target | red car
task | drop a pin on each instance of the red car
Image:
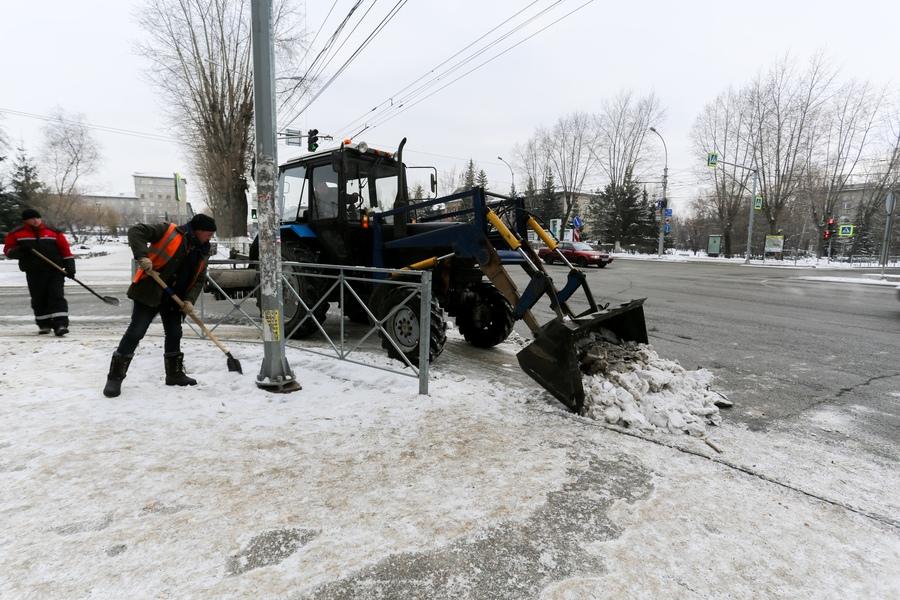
(577, 253)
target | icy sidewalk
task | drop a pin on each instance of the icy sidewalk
(358, 487)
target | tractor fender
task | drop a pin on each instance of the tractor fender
(301, 230)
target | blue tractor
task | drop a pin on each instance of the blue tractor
(351, 206)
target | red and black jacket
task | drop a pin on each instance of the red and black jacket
(49, 242)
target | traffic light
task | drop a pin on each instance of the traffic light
(830, 227)
(312, 142)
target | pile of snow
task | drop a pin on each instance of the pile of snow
(628, 384)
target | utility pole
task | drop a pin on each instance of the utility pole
(665, 201)
(889, 202)
(751, 215)
(275, 374)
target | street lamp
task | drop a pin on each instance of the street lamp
(662, 210)
(512, 189)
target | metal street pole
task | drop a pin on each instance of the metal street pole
(511, 174)
(665, 202)
(750, 217)
(274, 374)
(889, 203)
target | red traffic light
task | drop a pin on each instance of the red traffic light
(827, 234)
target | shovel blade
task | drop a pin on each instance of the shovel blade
(234, 365)
(553, 361)
(111, 301)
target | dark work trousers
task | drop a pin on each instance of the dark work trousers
(47, 300)
(141, 317)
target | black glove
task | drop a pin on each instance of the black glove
(70, 268)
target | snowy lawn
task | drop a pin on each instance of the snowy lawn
(358, 483)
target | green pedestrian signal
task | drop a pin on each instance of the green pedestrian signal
(712, 159)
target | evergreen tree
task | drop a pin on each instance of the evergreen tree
(24, 191)
(481, 180)
(549, 206)
(26, 183)
(531, 194)
(418, 192)
(627, 215)
(469, 175)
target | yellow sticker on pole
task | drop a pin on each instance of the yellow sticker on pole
(272, 331)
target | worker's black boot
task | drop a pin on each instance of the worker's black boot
(175, 374)
(118, 367)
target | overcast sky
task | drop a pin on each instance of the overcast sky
(81, 56)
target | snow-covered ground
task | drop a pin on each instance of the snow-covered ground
(110, 269)
(806, 262)
(356, 486)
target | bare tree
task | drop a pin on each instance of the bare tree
(70, 153)
(723, 127)
(532, 160)
(568, 145)
(784, 107)
(201, 61)
(843, 130)
(620, 129)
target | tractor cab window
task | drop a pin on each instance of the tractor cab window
(370, 183)
(292, 189)
(325, 192)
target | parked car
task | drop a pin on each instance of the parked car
(577, 253)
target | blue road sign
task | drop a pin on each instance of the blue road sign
(668, 212)
(576, 222)
(667, 228)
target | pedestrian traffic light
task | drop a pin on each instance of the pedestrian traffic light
(827, 234)
(312, 141)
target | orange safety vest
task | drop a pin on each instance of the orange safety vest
(162, 251)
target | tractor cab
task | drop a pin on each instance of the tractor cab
(332, 195)
(341, 185)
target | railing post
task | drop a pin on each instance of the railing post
(341, 300)
(424, 330)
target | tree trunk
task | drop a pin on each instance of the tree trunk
(726, 237)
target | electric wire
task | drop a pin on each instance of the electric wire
(384, 116)
(390, 98)
(378, 28)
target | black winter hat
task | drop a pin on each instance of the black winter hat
(30, 213)
(202, 222)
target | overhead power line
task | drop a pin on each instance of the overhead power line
(390, 99)
(398, 103)
(359, 49)
(470, 71)
(88, 125)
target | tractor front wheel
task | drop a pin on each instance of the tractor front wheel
(399, 308)
(487, 319)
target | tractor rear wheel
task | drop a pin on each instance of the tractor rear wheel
(487, 319)
(310, 289)
(403, 326)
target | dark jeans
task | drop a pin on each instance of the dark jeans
(141, 317)
(47, 299)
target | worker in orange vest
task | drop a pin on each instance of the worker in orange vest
(179, 254)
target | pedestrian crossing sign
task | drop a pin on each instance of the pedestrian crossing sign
(712, 159)
(846, 230)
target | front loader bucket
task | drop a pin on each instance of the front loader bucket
(552, 359)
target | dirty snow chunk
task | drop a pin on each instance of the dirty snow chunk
(630, 385)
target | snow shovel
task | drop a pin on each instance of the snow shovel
(234, 365)
(108, 299)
